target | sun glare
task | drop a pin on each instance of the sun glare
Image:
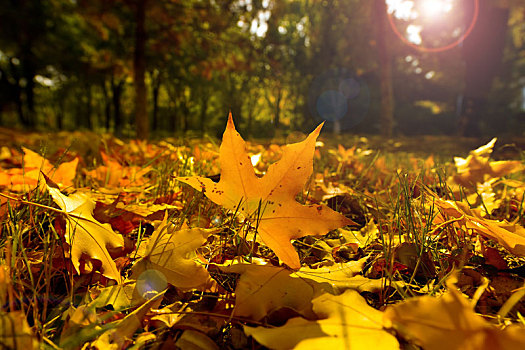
(431, 25)
(433, 8)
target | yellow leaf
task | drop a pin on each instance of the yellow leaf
(449, 322)
(477, 168)
(193, 340)
(345, 321)
(112, 174)
(119, 336)
(15, 332)
(345, 276)
(270, 200)
(122, 296)
(172, 253)
(26, 178)
(263, 289)
(63, 175)
(85, 235)
(509, 235)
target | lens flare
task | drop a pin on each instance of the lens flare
(435, 8)
(432, 14)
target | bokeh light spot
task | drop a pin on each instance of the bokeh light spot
(151, 283)
(349, 88)
(340, 96)
(332, 105)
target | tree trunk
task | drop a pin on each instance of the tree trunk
(139, 67)
(203, 112)
(60, 112)
(277, 115)
(14, 91)
(89, 107)
(156, 88)
(29, 75)
(482, 53)
(386, 118)
(184, 117)
(116, 93)
(107, 106)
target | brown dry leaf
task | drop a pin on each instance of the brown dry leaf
(334, 273)
(85, 235)
(449, 322)
(341, 277)
(122, 296)
(15, 333)
(172, 253)
(5, 284)
(509, 235)
(477, 168)
(361, 237)
(26, 178)
(112, 174)
(120, 336)
(263, 289)
(62, 175)
(81, 323)
(168, 316)
(193, 340)
(270, 200)
(3, 207)
(345, 321)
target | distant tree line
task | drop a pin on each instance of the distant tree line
(137, 67)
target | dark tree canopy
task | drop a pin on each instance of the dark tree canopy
(157, 67)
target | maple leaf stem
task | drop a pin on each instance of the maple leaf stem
(43, 206)
(443, 224)
(32, 203)
(227, 317)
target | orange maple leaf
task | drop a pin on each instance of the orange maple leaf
(113, 174)
(26, 178)
(477, 167)
(270, 200)
(510, 235)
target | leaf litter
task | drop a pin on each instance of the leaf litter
(307, 245)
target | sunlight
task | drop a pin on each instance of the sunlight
(430, 25)
(401, 9)
(436, 8)
(414, 33)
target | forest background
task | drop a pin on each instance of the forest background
(141, 68)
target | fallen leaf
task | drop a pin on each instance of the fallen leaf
(62, 175)
(172, 253)
(476, 168)
(336, 276)
(344, 277)
(15, 333)
(194, 340)
(415, 258)
(362, 237)
(168, 316)
(345, 321)
(120, 333)
(121, 296)
(509, 235)
(263, 289)
(5, 284)
(270, 201)
(449, 322)
(82, 324)
(113, 174)
(85, 235)
(27, 177)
